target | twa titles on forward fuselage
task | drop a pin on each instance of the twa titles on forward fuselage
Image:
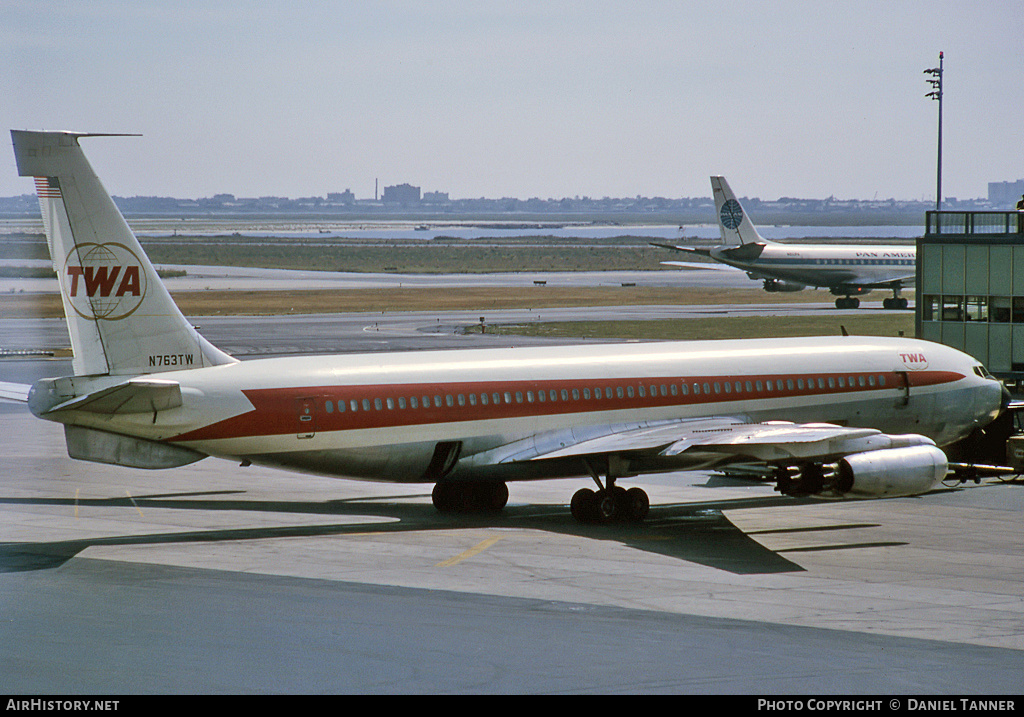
(831, 417)
(847, 270)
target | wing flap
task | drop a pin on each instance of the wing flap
(648, 437)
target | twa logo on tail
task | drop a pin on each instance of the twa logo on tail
(104, 281)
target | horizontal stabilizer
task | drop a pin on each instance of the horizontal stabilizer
(139, 395)
(702, 250)
(14, 391)
(701, 265)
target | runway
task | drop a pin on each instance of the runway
(244, 336)
(237, 278)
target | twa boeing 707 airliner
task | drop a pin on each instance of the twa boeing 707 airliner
(832, 417)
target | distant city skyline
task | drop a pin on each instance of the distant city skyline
(682, 209)
(535, 99)
(998, 194)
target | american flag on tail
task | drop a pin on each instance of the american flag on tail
(48, 187)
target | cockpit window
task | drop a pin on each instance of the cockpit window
(982, 371)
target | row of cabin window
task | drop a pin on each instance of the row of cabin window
(554, 395)
(872, 262)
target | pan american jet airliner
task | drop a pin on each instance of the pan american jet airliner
(847, 270)
(839, 417)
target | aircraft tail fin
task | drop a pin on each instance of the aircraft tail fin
(733, 222)
(121, 319)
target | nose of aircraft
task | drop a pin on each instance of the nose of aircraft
(994, 403)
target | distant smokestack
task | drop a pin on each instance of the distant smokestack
(375, 182)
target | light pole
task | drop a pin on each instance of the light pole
(936, 94)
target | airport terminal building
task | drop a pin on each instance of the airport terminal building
(970, 287)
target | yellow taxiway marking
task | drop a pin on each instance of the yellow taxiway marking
(479, 548)
(76, 501)
(134, 503)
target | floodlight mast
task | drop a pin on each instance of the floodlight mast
(936, 94)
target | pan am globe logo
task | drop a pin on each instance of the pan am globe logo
(104, 281)
(731, 214)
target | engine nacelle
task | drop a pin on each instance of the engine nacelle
(774, 285)
(892, 472)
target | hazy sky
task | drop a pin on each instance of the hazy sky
(526, 99)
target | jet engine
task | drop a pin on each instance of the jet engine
(891, 472)
(780, 285)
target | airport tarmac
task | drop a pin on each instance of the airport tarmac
(214, 578)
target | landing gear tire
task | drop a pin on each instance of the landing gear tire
(848, 302)
(580, 505)
(607, 507)
(493, 498)
(637, 504)
(610, 506)
(465, 497)
(896, 303)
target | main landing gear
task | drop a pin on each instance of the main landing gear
(852, 302)
(469, 497)
(609, 503)
(897, 302)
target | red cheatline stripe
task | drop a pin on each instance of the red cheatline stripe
(277, 409)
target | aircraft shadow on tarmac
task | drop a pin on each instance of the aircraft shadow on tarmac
(694, 532)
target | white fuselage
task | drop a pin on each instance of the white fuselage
(382, 416)
(824, 265)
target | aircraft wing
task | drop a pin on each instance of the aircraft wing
(14, 391)
(720, 439)
(699, 250)
(887, 284)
